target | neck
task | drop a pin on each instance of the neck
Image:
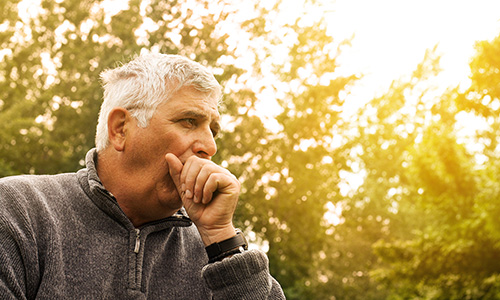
(138, 202)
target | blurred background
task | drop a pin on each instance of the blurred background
(365, 133)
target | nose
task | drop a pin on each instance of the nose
(205, 146)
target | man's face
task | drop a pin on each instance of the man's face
(184, 125)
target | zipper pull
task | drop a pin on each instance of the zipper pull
(137, 240)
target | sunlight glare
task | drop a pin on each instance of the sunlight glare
(391, 36)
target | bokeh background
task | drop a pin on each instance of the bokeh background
(365, 133)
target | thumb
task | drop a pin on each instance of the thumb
(174, 168)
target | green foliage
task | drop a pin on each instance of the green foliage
(290, 175)
(49, 84)
(448, 244)
(424, 222)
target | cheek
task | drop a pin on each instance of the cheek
(177, 145)
(146, 153)
(157, 143)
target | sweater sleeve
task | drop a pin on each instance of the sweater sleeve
(18, 253)
(12, 272)
(242, 276)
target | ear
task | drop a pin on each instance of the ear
(118, 120)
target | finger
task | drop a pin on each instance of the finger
(188, 176)
(222, 184)
(175, 169)
(206, 170)
(204, 173)
(195, 173)
(211, 186)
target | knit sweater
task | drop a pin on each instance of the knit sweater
(65, 237)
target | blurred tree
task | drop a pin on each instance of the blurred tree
(424, 222)
(377, 142)
(289, 167)
(49, 92)
(49, 84)
(446, 240)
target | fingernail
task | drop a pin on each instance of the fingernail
(189, 195)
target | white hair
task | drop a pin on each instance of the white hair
(142, 84)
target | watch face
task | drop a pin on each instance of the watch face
(245, 246)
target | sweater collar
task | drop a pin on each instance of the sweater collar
(103, 199)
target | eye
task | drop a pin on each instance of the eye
(188, 122)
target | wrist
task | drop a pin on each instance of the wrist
(227, 248)
(210, 236)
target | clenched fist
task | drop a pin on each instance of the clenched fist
(209, 194)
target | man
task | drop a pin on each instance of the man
(150, 217)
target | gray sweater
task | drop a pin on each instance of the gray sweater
(65, 237)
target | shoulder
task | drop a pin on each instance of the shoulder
(15, 189)
(23, 186)
(25, 194)
(33, 179)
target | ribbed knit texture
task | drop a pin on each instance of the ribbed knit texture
(242, 274)
(65, 237)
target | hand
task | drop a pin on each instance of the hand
(209, 194)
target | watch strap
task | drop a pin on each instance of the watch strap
(229, 245)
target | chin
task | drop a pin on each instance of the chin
(171, 200)
(168, 195)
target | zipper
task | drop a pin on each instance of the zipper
(176, 217)
(137, 240)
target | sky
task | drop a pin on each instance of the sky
(389, 40)
(391, 37)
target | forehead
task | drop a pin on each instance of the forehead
(189, 101)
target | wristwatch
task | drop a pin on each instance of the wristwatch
(231, 246)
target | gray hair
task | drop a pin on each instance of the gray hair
(147, 81)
